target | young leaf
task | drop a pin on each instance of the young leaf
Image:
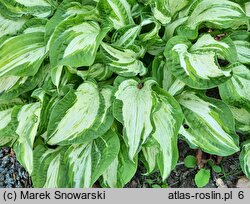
(190, 161)
(202, 178)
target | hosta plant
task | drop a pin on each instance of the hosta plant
(91, 89)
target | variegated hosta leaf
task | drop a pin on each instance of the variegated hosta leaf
(150, 151)
(124, 62)
(116, 11)
(241, 40)
(149, 36)
(87, 109)
(125, 36)
(210, 124)
(132, 107)
(163, 10)
(78, 165)
(167, 118)
(18, 8)
(242, 119)
(10, 27)
(8, 124)
(121, 170)
(245, 158)
(28, 121)
(197, 65)
(87, 162)
(236, 91)
(165, 78)
(221, 14)
(98, 71)
(66, 10)
(13, 86)
(75, 42)
(49, 170)
(22, 55)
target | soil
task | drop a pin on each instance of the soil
(183, 177)
(13, 175)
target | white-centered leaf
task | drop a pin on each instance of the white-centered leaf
(133, 107)
(118, 12)
(197, 65)
(86, 162)
(124, 62)
(245, 158)
(18, 8)
(210, 124)
(75, 42)
(241, 40)
(87, 111)
(28, 121)
(75, 166)
(221, 14)
(10, 27)
(22, 55)
(121, 170)
(242, 119)
(236, 91)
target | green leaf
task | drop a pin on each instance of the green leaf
(132, 107)
(167, 118)
(88, 111)
(221, 14)
(75, 42)
(217, 169)
(49, 171)
(242, 119)
(18, 8)
(75, 166)
(245, 158)
(66, 10)
(210, 124)
(13, 86)
(190, 161)
(121, 170)
(202, 178)
(87, 162)
(22, 55)
(241, 40)
(124, 62)
(8, 125)
(117, 12)
(236, 91)
(9, 26)
(28, 121)
(197, 65)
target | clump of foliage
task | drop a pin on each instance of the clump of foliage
(88, 88)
